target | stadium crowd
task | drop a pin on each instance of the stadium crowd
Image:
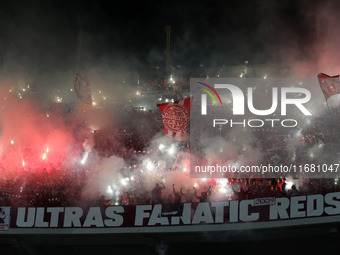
(64, 187)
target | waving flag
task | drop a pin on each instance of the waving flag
(330, 85)
(176, 117)
(83, 89)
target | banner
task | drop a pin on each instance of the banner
(224, 215)
(83, 89)
(4, 218)
(265, 201)
(330, 85)
(176, 117)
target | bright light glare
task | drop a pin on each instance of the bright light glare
(223, 183)
(289, 184)
(223, 190)
(123, 182)
(150, 166)
(298, 134)
(109, 190)
(172, 150)
(44, 156)
(83, 160)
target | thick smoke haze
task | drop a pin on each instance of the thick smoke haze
(44, 44)
(57, 151)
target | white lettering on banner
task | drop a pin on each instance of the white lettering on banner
(21, 217)
(72, 216)
(233, 213)
(316, 210)
(203, 214)
(259, 209)
(141, 214)
(55, 211)
(186, 215)
(39, 222)
(295, 207)
(280, 209)
(94, 218)
(156, 216)
(114, 220)
(244, 211)
(219, 214)
(335, 204)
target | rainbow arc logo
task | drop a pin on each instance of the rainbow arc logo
(209, 93)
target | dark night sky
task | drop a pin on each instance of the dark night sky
(209, 32)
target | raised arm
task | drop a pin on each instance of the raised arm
(181, 191)
(210, 190)
(195, 193)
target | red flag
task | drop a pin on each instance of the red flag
(83, 89)
(330, 85)
(176, 117)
